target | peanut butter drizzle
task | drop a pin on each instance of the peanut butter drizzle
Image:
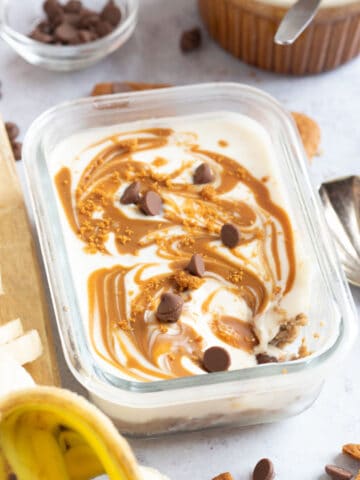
(201, 213)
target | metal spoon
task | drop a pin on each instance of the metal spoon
(295, 21)
(341, 199)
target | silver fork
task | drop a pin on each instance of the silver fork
(341, 199)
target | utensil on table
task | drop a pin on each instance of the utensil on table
(341, 199)
(298, 17)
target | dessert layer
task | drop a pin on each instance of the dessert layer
(137, 202)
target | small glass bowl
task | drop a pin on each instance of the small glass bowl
(18, 19)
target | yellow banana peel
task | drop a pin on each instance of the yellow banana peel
(53, 434)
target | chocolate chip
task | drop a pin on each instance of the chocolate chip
(45, 27)
(131, 194)
(52, 8)
(89, 19)
(103, 28)
(170, 308)
(264, 470)
(67, 34)
(17, 150)
(196, 265)
(151, 203)
(338, 473)
(85, 36)
(72, 18)
(40, 36)
(230, 235)
(111, 13)
(73, 6)
(203, 174)
(12, 130)
(190, 40)
(216, 359)
(265, 358)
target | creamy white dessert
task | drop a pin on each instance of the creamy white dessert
(253, 297)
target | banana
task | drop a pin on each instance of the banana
(52, 434)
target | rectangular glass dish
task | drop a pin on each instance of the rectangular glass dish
(256, 394)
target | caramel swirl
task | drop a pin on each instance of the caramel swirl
(123, 327)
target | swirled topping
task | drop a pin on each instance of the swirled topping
(185, 247)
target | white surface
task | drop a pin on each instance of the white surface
(299, 446)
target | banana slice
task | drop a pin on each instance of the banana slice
(151, 474)
(33, 444)
(13, 376)
(10, 331)
(24, 349)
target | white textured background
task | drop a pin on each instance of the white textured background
(302, 445)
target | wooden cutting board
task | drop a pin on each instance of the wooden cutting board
(22, 283)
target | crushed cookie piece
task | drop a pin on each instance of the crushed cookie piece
(224, 476)
(186, 281)
(352, 449)
(289, 330)
(223, 143)
(208, 192)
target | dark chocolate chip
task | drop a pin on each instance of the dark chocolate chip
(265, 358)
(12, 130)
(151, 203)
(338, 473)
(111, 13)
(17, 150)
(103, 28)
(264, 470)
(89, 19)
(72, 18)
(67, 34)
(196, 265)
(216, 359)
(230, 235)
(45, 27)
(203, 174)
(85, 36)
(170, 308)
(131, 194)
(40, 36)
(52, 8)
(73, 6)
(190, 40)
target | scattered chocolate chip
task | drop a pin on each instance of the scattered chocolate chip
(103, 28)
(151, 203)
(338, 473)
(230, 235)
(170, 308)
(67, 34)
(111, 13)
(73, 6)
(203, 174)
(131, 194)
(196, 265)
(12, 130)
(264, 470)
(265, 358)
(190, 40)
(17, 150)
(216, 359)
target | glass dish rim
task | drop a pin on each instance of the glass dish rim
(99, 380)
(68, 51)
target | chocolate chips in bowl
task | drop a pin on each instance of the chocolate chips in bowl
(65, 35)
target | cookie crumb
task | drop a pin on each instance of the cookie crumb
(310, 133)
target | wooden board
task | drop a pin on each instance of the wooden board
(21, 279)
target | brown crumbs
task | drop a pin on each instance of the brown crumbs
(223, 143)
(185, 281)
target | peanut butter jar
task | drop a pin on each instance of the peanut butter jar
(246, 28)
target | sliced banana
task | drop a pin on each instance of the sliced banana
(10, 331)
(24, 349)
